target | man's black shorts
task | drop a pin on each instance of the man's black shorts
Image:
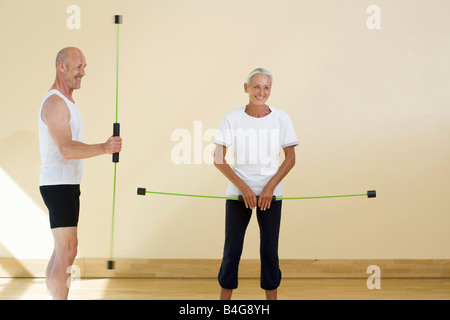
(63, 203)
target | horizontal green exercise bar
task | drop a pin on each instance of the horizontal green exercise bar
(143, 192)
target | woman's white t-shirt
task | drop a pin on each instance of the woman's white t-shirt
(256, 146)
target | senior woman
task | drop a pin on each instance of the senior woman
(256, 133)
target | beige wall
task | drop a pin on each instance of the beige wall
(371, 109)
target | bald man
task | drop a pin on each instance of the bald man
(62, 148)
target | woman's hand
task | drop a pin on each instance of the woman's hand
(249, 197)
(265, 198)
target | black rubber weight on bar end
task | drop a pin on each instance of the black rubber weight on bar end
(371, 194)
(141, 191)
(118, 19)
(111, 264)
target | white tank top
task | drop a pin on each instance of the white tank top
(56, 170)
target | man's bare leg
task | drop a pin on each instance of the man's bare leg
(63, 256)
(48, 272)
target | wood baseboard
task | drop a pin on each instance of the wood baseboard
(249, 268)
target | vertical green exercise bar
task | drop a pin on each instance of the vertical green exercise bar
(115, 156)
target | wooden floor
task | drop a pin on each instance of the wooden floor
(208, 289)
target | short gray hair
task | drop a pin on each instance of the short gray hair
(258, 71)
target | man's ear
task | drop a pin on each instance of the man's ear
(61, 66)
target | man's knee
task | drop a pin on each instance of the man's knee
(67, 255)
(72, 253)
(66, 243)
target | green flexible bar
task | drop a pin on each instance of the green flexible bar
(143, 191)
(118, 21)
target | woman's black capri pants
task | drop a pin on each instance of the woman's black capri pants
(236, 222)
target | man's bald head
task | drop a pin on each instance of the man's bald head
(65, 54)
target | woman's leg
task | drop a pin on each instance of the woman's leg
(237, 218)
(269, 226)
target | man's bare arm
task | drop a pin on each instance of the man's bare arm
(56, 116)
